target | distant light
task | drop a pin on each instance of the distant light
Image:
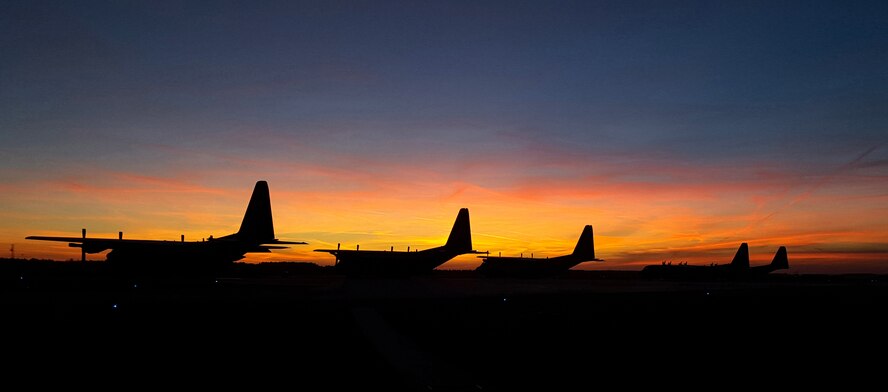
(114, 306)
(135, 286)
(217, 281)
(504, 299)
(707, 293)
(21, 278)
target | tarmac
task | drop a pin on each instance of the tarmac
(306, 327)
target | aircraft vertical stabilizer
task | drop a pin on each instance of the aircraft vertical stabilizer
(460, 239)
(741, 259)
(585, 246)
(781, 261)
(257, 225)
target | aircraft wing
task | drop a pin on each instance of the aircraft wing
(95, 245)
(96, 241)
(60, 239)
(113, 241)
(330, 251)
(276, 242)
(485, 257)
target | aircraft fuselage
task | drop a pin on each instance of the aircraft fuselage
(391, 262)
(523, 266)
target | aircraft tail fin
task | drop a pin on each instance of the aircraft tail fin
(585, 246)
(781, 261)
(257, 225)
(741, 259)
(460, 239)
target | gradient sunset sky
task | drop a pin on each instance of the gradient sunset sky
(677, 129)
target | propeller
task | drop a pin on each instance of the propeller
(82, 248)
(337, 253)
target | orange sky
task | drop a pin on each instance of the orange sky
(676, 134)
(832, 226)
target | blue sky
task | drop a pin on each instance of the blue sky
(785, 98)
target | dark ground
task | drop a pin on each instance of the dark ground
(297, 326)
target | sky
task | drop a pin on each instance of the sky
(677, 129)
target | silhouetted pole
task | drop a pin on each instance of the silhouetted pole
(392, 249)
(358, 247)
(12, 252)
(119, 235)
(408, 248)
(183, 237)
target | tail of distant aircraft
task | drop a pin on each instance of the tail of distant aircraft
(257, 225)
(585, 246)
(460, 239)
(741, 259)
(781, 261)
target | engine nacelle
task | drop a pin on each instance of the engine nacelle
(89, 248)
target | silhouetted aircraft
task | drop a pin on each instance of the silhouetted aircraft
(393, 262)
(739, 267)
(532, 267)
(256, 234)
